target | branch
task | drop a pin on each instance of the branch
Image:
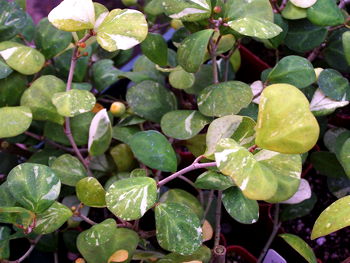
(212, 50)
(210, 200)
(29, 251)
(276, 226)
(87, 220)
(195, 165)
(219, 251)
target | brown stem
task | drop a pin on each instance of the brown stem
(276, 226)
(219, 254)
(218, 220)
(212, 50)
(87, 220)
(29, 251)
(207, 208)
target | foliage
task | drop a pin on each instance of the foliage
(72, 140)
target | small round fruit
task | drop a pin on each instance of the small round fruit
(117, 109)
(217, 9)
(176, 24)
(129, 2)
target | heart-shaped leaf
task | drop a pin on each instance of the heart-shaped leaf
(192, 10)
(333, 84)
(239, 128)
(242, 209)
(178, 228)
(12, 88)
(49, 40)
(14, 120)
(130, 198)
(124, 134)
(156, 49)
(151, 100)
(34, 186)
(52, 219)
(300, 246)
(254, 27)
(69, 169)
(122, 29)
(181, 79)
(101, 241)
(17, 216)
(335, 217)
(287, 168)
(285, 126)
(74, 102)
(91, 192)
(213, 181)
(224, 98)
(38, 98)
(21, 58)
(73, 15)
(154, 150)
(180, 196)
(294, 70)
(255, 180)
(100, 133)
(183, 124)
(191, 52)
(260, 9)
(325, 13)
(123, 157)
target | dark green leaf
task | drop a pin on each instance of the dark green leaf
(104, 74)
(333, 84)
(12, 20)
(124, 134)
(5, 70)
(325, 13)
(213, 181)
(5, 232)
(326, 163)
(90, 192)
(156, 49)
(11, 89)
(260, 9)
(290, 212)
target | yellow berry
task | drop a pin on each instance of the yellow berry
(117, 109)
(176, 24)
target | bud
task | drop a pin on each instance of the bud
(117, 109)
(176, 23)
(79, 260)
(82, 45)
(217, 9)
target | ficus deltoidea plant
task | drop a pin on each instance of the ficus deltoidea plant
(72, 154)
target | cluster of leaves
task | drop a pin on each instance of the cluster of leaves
(257, 135)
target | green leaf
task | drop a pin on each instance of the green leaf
(287, 168)
(187, 10)
(335, 217)
(304, 36)
(303, 3)
(224, 98)
(300, 246)
(100, 133)
(179, 196)
(12, 20)
(330, 137)
(69, 169)
(38, 98)
(52, 219)
(90, 192)
(333, 84)
(255, 180)
(290, 212)
(5, 232)
(294, 70)
(34, 186)
(5, 70)
(191, 52)
(254, 27)
(14, 121)
(104, 74)
(285, 126)
(242, 209)
(49, 40)
(183, 124)
(279, 39)
(259, 9)
(239, 128)
(6, 198)
(25, 60)
(124, 134)
(203, 254)
(99, 242)
(178, 228)
(80, 129)
(11, 89)
(122, 29)
(180, 79)
(66, 17)
(321, 105)
(325, 13)
(326, 163)
(130, 198)
(196, 145)
(342, 144)
(293, 12)
(74, 102)
(17, 216)
(213, 181)
(151, 100)
(346, 45)
(123, 157)
(154, 150)
(156, 49)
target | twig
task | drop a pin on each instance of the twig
(200, 193)
(276, 226)
(29, 251)
(314, 54)
(192, 167)
(86, 219)
(218, 219)
(55, 257)
(212, 50)
(207, 208)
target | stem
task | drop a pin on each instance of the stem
(87, 220)
(192, 167)
(67, 129)
(212, 50)
(210, 200)
(29, 251)
(55, 257)
(276, 226)
(218, 220)
(314, 54)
